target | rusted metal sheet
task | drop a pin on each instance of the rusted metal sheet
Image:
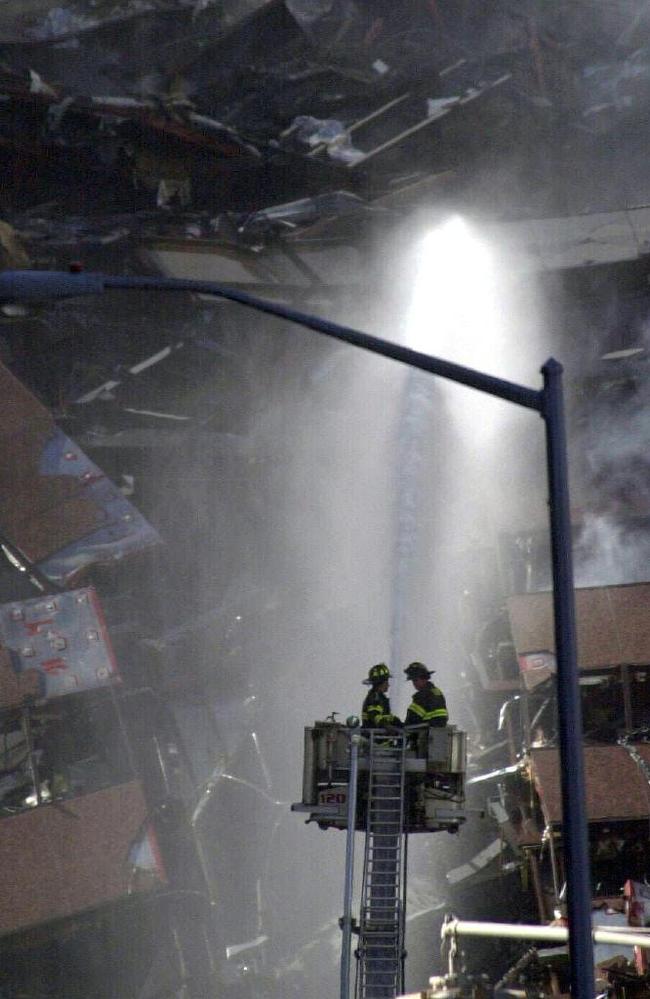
(615, 786)
(39, 514)
(613, 624)
(16, 687)
(59, 860)
(57, 509)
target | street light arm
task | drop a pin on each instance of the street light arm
(42, 285)
(38, 286)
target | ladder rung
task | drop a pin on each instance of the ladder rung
(373, 973)
(381, 935)
(379, 944)
(383, 960)
(376, 950)
(375, 959)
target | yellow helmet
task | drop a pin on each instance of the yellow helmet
(377, 674)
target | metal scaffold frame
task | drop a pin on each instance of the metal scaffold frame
(548, 402)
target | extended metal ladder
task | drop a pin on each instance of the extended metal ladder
(381, 919)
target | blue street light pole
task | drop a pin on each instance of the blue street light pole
(43, 285)
(346, 922)
(574, 810)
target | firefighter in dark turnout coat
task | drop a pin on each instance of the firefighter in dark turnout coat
(376, 712)
(428, 704)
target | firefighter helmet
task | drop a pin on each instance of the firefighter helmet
(415, 670)
(377, 674)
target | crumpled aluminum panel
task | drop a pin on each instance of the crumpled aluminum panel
(120, 529)
(63, 639)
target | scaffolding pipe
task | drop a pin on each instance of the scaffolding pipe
(552, 934)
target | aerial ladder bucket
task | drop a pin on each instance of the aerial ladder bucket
(386, 785)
